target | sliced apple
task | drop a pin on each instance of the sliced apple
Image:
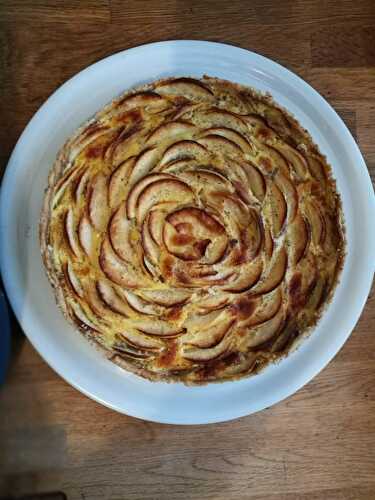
(316, 168)
(118, 271)
(248, 277)
(298, 236)
(141, 305)
(290, 195)
(211, 336)
(207, 354)
(108, 295)
(98, 204)
(317, 222)
(162, 191)
(156, 222)
(223, 119)
(267, 308)
(274, 274)
(144, 163)
(65, 181)
(219, 144)
(83, 321)
(260, 130)
(140, 341)
(73, 280)
(118, 181)
(122, 234)
(212, 303)
(86, 235)
(202, 178)
(264, 332)
(183, 150)
(71, 233)
(255, 179)
(170, 132)
(232, 136)
(149, 245)
(81, 185)
(148, 99)
(157, 327)
(268, 243)
(137, 189)
(188, 87)
(168, 297)
(275, 208)
(295, 160)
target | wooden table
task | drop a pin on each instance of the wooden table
(318, 444)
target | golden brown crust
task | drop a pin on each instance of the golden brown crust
(192, 230)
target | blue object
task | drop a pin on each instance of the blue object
(4, 336)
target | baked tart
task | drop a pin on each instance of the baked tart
(192, 230)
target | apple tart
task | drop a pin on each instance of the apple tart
(192, 230)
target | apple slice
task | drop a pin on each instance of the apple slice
(162, 191)
(81, 318)
(316, 168)
(118, 271)
(81, 185)
(144, 163)
(170, 132)
(86, 235)
(98, 204)
(123, 235)
(212, 303)
(275, 273)
(108, 295)
(219, 144)
(65, 181)
(156, 220)
(207, 179)
(140, 305)
(168, 297)
(255, 179)
(268, 243)
(184, 150)
(290, 195)
(140, 341)
(207, 354)
(275, 208)
(211, 336)
(295, 160)
(148, 99)
(149, 245)
(157, 327)
(298, 237)
(267, 308)
(259, 128)
(221, 118)
(71, 233)
(249, 276)
(137, 189)
(264, 332)
(231, 135)
(72, 279)
(118, 181)
(317, 222)
(192, 89)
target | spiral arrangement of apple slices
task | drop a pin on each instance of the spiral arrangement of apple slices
(193, 230)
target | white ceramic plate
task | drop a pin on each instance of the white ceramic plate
(31, 295)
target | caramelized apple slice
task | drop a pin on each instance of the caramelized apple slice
(122, 234)
(118, 271)
(157, 327)
(219, 144)
(184, 150)
(211, 336)
(149, 100)
(170, 132)
(137, 189)
(73, 280)
(108, 295)
(118, 181)
(266, 331)
(232, 136)
(144, 163)
(298, 236)
(316, 168)
(162, 191)
(274, 274)
(212, 303)
(140, 305)
(249, 275)
(81, 185)
(98, 204)
(188, 87)
(142, 341)
(86, 235)
(295, 160)
(256, 180)
(267, 308)
(167, 297)
(220, 118)
(71, 232)
(275, 208)
(207, 354)
(290, 195)
(317, 222)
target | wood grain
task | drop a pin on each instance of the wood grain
(318, 444)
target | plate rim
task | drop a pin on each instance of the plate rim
(6, 265)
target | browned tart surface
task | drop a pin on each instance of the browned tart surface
(193, 230)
